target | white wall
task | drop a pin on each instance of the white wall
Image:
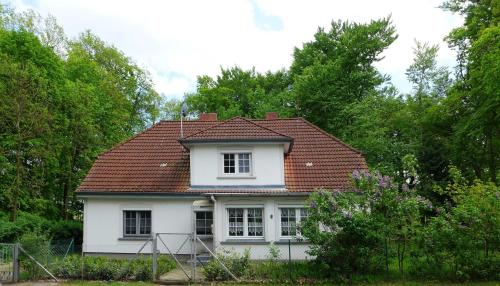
(272, 227)
(103, 223)
(267, 160)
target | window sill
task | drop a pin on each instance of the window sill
(135, 238)
(235, 241)
(292, 241)
(235, 177)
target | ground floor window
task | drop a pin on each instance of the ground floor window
(290, 219)
(204, 221)
(245, 222)
(136, 223)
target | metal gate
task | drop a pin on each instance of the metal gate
(9, 262)
(183, 242)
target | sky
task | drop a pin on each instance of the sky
(178, 40)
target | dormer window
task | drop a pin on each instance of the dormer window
(237, 163)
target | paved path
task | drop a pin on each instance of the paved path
(178, 275)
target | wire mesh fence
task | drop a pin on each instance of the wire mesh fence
(6, 262)
(48, 254)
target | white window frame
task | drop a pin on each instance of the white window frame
(245, 222)
(298, 219)
(137, 223)
(237, 173)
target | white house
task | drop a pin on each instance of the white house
(238, 184)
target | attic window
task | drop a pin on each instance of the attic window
(237, 163)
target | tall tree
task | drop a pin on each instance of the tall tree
(336, 69)
(31, 75)
(475, 97)
(243, 92)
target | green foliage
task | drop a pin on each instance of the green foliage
(104, 268)
(464, 238)
(238, 265)
(305, 272)
(38, 246)
(237, 92)
(336, 70)
(27, 223)
(62, 103)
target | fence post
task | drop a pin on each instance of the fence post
(155, 257)
(15, 263)
(290, 259)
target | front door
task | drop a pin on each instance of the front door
(204, 220)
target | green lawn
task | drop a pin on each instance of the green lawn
(94, 283)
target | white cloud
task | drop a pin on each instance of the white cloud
(178, 40)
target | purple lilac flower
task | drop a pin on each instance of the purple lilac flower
(382, 183)
(378, 194)
(429, 205)
(355, 175)
(313, 205)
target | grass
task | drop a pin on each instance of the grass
(430, 283)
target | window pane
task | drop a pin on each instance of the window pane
(144, 222)
(288, 222)
(255, 227)
(130, 223)
(204, 223)
(244, 163)
(235, 222)
(229, 164)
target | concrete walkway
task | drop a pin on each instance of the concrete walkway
(178, 276)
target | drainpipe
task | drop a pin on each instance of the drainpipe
(214, 228)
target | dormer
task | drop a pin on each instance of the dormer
(237, 153)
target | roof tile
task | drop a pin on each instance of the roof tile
(155, 161)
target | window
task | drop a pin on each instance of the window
(204, 221)
(246, 222)
(235, 222)
(137, 223)
(290, 218)
(237, 163)
(255, 222)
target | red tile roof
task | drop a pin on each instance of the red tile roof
(236, 128)
(155, 161)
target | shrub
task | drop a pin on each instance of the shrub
(105, 268)
(38, 246)
(236, 263)
(29, 223)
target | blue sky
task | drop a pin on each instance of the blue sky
(178, 40)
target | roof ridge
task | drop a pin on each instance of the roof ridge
(330, 135)
(231, 119)
(264, 127)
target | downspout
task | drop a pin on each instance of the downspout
(214, 228)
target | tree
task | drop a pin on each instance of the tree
(474, 97)
(336, 70)
(30, 76)
(237, 92)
